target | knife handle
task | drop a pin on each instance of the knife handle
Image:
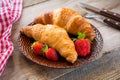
(112, 23)
(110, 14)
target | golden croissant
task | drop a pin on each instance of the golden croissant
(70, 20)
(55, 37)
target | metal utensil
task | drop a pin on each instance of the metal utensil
(103, 12)
(108, 21)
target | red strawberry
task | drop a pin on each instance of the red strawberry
(51, 54)
(82, 47)
(37, 48)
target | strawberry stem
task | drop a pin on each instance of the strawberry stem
(34, 44)
(45, 48)
(81, 35)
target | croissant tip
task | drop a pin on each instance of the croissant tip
(71, 60)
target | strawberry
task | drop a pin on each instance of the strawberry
(37, 48)
(42, 49)
(82, 45)
(51, 54)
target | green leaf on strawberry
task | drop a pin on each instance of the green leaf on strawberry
(45, 48)
(81, 35)
(33, 44)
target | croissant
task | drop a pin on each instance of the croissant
(54, 37)
(70, 20)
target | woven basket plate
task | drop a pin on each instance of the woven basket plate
(25, 48)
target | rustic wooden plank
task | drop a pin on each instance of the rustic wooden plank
(30, 13)
(106, 68)
(21, 68)
(28, 3)
(110, 35)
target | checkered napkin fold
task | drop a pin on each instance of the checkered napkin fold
(10, 12)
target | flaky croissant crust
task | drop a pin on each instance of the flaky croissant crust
(55, 37)
(69, 19)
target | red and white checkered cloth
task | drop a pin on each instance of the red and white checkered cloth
(10, 11)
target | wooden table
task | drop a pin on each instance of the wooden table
(105, 68)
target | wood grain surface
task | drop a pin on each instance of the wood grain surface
(105, 68)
